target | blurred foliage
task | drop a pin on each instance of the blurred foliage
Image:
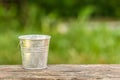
(69, 8)
(73, 41)
(103, 8)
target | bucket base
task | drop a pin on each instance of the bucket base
(35, 68)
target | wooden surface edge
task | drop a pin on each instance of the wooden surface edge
(62, 72)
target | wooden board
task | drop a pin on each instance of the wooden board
(62, 72)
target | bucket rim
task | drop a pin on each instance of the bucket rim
(34, 37)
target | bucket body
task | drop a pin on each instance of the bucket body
(34, 51)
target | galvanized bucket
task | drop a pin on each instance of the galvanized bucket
(34, 51)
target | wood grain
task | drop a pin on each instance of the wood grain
(62, 72)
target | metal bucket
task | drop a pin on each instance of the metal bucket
(34, 51)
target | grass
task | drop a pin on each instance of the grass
(73, 42)
(84, 45)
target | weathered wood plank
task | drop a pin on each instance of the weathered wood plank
(61, 72)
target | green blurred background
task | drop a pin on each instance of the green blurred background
(75, 38)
